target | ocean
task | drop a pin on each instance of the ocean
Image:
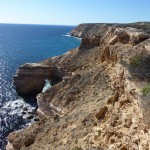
(21, 44)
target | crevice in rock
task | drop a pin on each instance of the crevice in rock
(102, 112)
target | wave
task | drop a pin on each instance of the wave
(67, 35)
(15, 115)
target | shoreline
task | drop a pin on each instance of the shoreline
(12, 105)
(89, 85)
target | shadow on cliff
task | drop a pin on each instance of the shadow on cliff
(138, 66)
(139, 69)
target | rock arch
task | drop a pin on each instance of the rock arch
(30, 78)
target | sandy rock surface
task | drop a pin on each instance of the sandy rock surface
(99, 104)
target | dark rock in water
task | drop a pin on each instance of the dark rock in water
(32, 111)
(19, 107)
(25, 108)
(28, 116)
(36, 119)
(23, 112)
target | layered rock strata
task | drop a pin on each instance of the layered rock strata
(96, 29)
(100, 104)
(30, 78)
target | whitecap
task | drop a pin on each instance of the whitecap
(47, 86)
(67, 35)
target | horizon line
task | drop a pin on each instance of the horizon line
(38, 24)
(76, 24)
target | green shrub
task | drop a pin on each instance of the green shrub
(146, 90)
(77, 148)
(135, 61)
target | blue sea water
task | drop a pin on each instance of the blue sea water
(20, 44)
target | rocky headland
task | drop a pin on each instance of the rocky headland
(30, 78)
(99, 99)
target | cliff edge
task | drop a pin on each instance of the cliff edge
(102, 100)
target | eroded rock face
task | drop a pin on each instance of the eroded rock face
(90, 42)
(99, 104)
(45, 108)
(90, 30)
(129, 35)
(97, 29)
(30, 78)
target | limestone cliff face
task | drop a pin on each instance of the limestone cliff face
(97, 29)
(89, 30)
(101, 102)
(30, 78)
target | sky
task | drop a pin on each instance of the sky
(73, 12)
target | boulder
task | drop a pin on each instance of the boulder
(128, 36)
(122, 35)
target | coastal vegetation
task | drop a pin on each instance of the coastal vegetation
(135, 61)
(146, 90)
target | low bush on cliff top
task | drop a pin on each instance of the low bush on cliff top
(146, 90)
(139, 25)
(139, 67)
(77, 148)
(135, 61)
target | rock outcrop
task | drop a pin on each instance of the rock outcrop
(90, 30)
(97, 29)
(101, 103)
(129, 35)
(93, 34)
(30, 78)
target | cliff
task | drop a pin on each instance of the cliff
(98, 29)
(102, 100)
(30, 78)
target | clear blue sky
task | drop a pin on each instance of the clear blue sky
(73, 12)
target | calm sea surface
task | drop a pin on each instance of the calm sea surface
(20, 44)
